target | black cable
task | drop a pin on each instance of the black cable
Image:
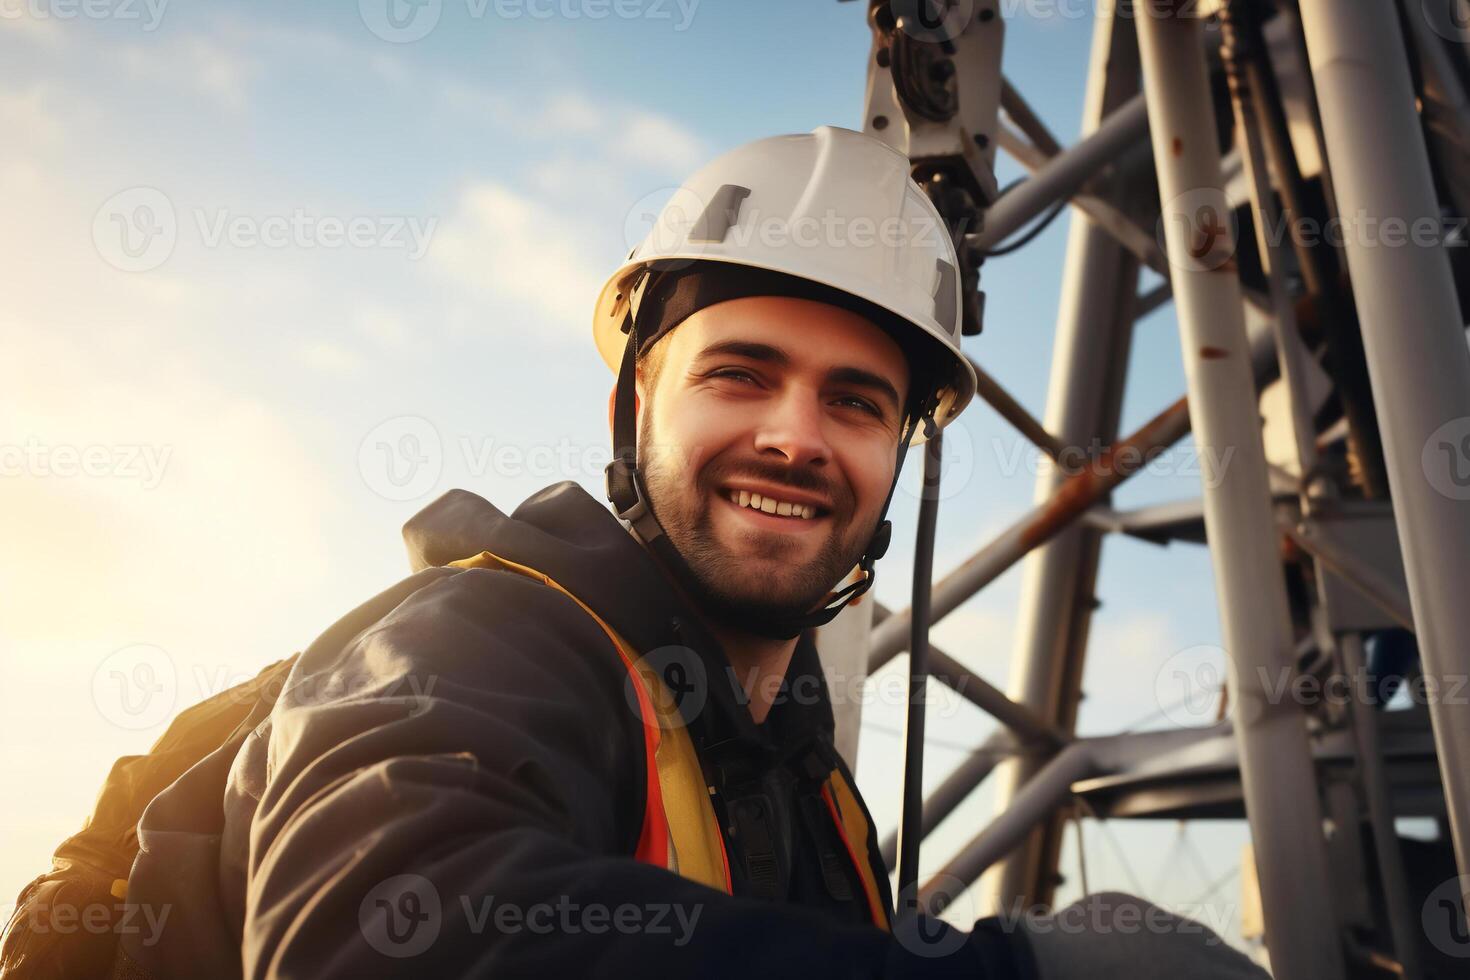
(1029, 236)
(912, 820)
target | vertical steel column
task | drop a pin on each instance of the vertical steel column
(842, 647)
(1413, 333)
(1402, 920)
(1277, 773)
(1094, 325)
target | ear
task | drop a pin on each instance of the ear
(612, 403)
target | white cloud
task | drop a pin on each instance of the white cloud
(568, 175)
(573, 112)
(1140, 637)
(195, 475)
(20, 20)
(329, 357)
(383, 326)
(657, 141)
(25, 112)
(194, 62)
(501, 244)
(481, 105)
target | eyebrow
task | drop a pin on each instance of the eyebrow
(775, 355)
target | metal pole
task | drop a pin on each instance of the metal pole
(1063, 174)
(1402, 922)
(1319, 266)
(1413, 334)
(1026, 119)
(1024, 722)
(1093, 326)
(1096, 479)
(1277, 773)
(1238, 49)
(1035, 802)
(842, 647)
(1013, 412)
(955, 789)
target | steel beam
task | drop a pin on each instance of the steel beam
(1022, 721)
(1277, 772)
(1074, 495)
(1413, 335)
(1013, 412)
(1094, 328)
(1063, 175)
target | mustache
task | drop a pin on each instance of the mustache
(779, 476)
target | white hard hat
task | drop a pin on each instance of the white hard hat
(833, 206)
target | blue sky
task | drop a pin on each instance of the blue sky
(496, 169)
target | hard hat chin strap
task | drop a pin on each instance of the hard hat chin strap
(629, 497)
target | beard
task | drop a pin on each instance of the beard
(768, 577)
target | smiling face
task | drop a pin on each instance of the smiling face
(789, 399)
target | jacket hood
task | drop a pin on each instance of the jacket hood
(576, 540)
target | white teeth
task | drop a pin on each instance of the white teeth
(769, 505)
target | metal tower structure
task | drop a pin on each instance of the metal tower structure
(1335, 370)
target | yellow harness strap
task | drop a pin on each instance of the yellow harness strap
(678, 809)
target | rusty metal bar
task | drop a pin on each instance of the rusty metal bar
(1013, 412)
(1095, 479)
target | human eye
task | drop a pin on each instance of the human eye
(863, 404)
(732, 373)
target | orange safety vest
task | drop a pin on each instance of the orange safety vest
(680, 830)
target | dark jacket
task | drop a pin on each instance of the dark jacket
(452, 784)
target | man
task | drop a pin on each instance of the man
(556, 749)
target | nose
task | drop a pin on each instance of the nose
(792, 425)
